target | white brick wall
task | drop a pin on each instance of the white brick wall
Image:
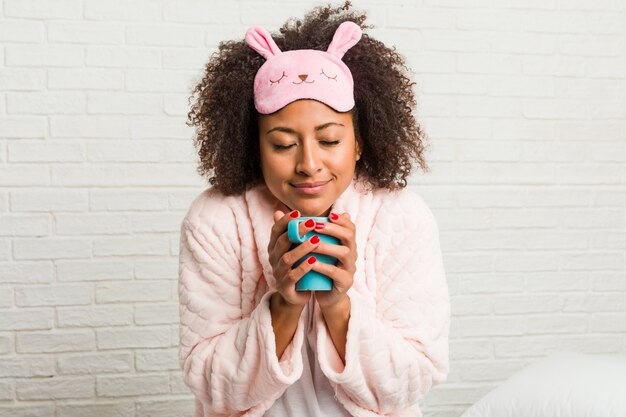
(525, 104)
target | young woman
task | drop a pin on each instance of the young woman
(316, 121)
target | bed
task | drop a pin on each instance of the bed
(565, 384)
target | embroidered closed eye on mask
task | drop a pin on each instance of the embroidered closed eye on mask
(304, 73)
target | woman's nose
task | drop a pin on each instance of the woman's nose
(309, 161)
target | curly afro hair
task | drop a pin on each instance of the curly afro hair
(227, 137)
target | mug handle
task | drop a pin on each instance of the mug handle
(293, 233)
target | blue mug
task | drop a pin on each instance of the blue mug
(312, 280)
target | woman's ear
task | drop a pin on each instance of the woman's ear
(359, 147)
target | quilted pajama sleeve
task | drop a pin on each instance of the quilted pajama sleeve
(228, 358)
(397, 340)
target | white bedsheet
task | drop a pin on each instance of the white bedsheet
(566, 384)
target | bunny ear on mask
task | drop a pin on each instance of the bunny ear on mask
(345, 37)
(261, 41)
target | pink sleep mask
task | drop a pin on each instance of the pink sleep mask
(304, 73)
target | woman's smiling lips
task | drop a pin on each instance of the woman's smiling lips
(311, 187)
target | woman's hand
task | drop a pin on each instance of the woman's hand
(342, 275)
(287, 304)
(282, 258)
(335, 304)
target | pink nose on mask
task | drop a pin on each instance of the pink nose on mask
(303, 73)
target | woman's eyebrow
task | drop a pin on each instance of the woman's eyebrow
(325, 125)
(289, 130)
(281, 129)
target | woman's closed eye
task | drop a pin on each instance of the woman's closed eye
(323, 142)
(281, 147)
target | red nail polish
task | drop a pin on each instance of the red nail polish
(311, 260)
(309, 223)
(334, 216)
(315, 240)
(294, 214)
(319, 226)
